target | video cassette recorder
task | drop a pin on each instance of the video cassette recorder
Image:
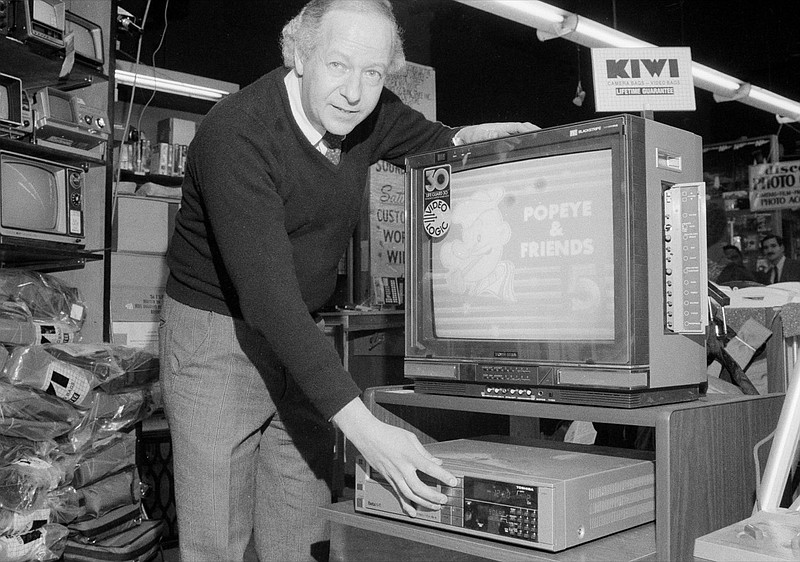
(550, 499)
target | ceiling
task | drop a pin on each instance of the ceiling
(491, 69)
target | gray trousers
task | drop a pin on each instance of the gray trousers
(251, 456)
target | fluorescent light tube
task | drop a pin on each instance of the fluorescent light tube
(168, 86)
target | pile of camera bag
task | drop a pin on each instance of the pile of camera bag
(69, 485)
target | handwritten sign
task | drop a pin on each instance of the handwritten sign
(416, 86)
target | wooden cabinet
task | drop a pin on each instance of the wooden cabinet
(705, 473)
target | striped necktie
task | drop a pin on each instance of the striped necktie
(334, 146)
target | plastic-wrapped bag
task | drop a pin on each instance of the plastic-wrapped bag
(45, 543)
(32, 414)
(18, 523)
(46, 296)
(61, 505)
(13, 448)
(25, 482)
(35, 367)
(104, 457)
(18, 327)
(115, 367)
(112, 412)
(71, 371)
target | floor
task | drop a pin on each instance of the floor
(171, 555)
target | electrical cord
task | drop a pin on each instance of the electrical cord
(126, 128)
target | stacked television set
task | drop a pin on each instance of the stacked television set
(47, 26)
(565, 265)
(41, 201)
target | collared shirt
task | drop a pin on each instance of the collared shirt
(292, 81)
(779, 268)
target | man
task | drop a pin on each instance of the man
(252, 387)
(735, 270)
(781, 268)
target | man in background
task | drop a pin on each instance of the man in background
(782, 269)
(735, 269)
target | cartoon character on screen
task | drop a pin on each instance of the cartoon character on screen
(474, 262)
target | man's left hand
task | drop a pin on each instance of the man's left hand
(486, 131)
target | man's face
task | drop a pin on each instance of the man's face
(733, 256)
(772, 250)
(342, 79)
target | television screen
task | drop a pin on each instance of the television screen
(87, 37)
(530, 252)
(29, 197)
(60, 105)
(5, 100)
(44, 11)
(84, 43)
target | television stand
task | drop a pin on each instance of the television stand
(705, 478)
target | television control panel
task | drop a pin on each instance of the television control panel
(685, 271)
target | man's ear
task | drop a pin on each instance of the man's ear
(298, 63)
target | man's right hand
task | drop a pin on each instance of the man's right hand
(397, 454)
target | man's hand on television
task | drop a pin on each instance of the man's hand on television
(486, 131)
(397, 454)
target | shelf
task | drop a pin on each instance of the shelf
(30, 149)
(642, 417)
(41, 257)
(634, 544)
(695, 443)
(40, 67)
(168, 181)
(173, 102)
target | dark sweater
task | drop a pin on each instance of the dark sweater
(265, 219)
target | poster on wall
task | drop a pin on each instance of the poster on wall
(643, 79)
(382, 251)
(775, 186)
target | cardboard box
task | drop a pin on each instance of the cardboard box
(137, 287)
(143, 224)
(141, 335)
(176, 131)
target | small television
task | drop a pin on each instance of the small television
(564, 265)
(41, 201)
(15, 109)
(10, 101)
(63, 121)
(87, 40)
(39, 21)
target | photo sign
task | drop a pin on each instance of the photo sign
(643, 79)
(775, 186)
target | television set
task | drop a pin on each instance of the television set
(564, 265)
(41, 201)
(87, 40)
(40, 22)
(10, 101)
(64, 122)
